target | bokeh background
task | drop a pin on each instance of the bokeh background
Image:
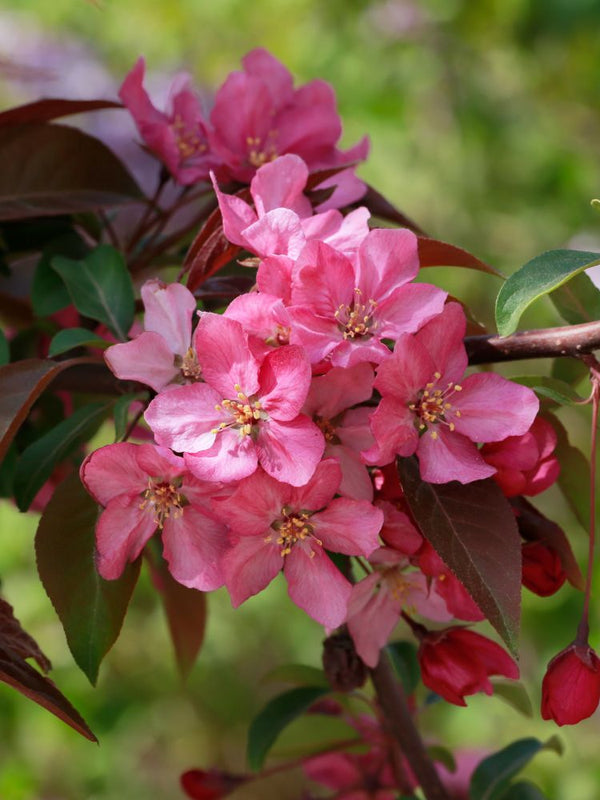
(484, 121)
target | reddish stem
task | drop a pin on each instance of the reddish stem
(583, 630)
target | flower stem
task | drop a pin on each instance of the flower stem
(583, 630)
(393, 702)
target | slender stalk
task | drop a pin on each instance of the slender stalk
(401, 725)
(150, 207)
(583, 630)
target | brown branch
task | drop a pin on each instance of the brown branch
(401, 725)
(571, 340)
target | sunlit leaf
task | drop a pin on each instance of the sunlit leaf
(38, 461)
(274, 717)
(48, 169)
(100, 287)
(433, 253)
(473, 529)
(90, 609)
(538, 277)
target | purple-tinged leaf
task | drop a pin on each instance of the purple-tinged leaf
(90, 608)
(186, 610)
(210, 250)
(382, 208)
(21, 383)
(52, 108)
(433, 253)
(15, 646)
(47, 170)
(474, 531)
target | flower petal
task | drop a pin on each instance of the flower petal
(317, 586)
(193, 546)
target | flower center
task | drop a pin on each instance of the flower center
(279, 337)
(260, 152)
(356, 319)
(433, 405)
(243, 413)
(327, 427)
(292, 527)
(163, 500)
(190, 369)
(187, 140)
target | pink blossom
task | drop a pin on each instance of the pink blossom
(162, 354)
(144, 488)
(258, 115)
(278, 527)
(425, 410)
(282, 219)
(377, 600)
(346, 429)
(265, 320)
(246, 413)
(446, 585)
(525, 464)
(342, 309)
(178, 136)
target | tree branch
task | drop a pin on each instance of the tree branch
(401, 725)
(570, 340)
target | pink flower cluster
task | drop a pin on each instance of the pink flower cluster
(272, 421)
(257, 115)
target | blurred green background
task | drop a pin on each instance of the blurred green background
(484, 119)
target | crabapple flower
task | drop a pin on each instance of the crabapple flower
(282, 219)
(144, 488)
(425, 410)
(446, 585)
(571, 685)
(246, 413)
(342, 309)
(258, 115)
(543, 572)
(275, 527)
(525, 464)
(456, 662)
(162, 354)
(178, 136)
(265, 320)
(346, 429)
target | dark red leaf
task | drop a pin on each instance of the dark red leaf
(15, 639)
(535, 527)
(209, 251)
(186, 614)
(48, 169)
(21, 383)
(320, 175)
(382, 208)
(15, 646)
(433, 253)
(52, 108)
(473, 529)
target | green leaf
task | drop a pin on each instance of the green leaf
(524, 790)
(67, 171)
(574, 475)
(90, 609)
(38, 461)
(297, 675)
(515, 694)
(553, 388)
(74, 337)
(48, 292)
(473, 529)
(274, 717)
(493, 775)
(4, 349)
(578, 300)
(100, 287)
(538, 277)
(121, 412)
(403, 656)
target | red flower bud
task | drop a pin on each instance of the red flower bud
(543, 571)
(456, 662)
(210, 784)
(571, 685)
